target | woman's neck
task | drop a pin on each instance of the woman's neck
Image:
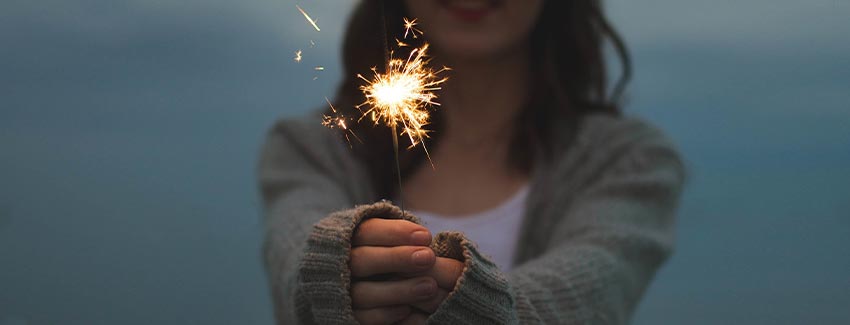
(473, 173)
(482, 98)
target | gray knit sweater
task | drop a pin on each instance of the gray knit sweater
(599, 223)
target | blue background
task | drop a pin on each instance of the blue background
(129, 132)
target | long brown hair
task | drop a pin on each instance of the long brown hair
(567, 60)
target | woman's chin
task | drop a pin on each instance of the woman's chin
(464, 49)
(468, 52)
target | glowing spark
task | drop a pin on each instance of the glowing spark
(400, 43)
(410, 28)
(297, 56)
(310, 20)
(312, 44)
(400, 96)
(319, 68)
(338, 121)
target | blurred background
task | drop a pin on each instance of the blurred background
(129, 132)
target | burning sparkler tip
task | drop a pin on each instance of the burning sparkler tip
(400, 96)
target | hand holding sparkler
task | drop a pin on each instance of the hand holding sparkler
(383, 247)
(399, 97)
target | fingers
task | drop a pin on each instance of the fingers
(390, 232)
(381, 316)
(415, 318)
(446, 271)
(430, 305)
(373, 294)
(371, 260)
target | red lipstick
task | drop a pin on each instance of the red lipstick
(469, 13)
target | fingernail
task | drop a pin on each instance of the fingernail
(420, 238)
(424, 288)
(422, 257)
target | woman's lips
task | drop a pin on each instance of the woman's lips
(470, 10)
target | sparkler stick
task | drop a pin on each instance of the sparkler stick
(388, 59)
(401, 95)
(398, 171)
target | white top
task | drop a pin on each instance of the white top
(495, 231)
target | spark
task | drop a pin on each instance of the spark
(338, 121)
(410, 28)
(319, 68)
(312, 44)
(400, 43)
(297, 56)
(310, 20)
(400, 97)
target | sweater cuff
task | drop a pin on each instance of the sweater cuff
(324, 275)
(482, 293)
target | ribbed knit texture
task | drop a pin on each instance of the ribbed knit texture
(599, 223)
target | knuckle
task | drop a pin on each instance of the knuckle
(369, 316)
(399, 230)
(365, 227)
(456, 267)
(401, 256)
(357, 293)
(355, 255)
(400, 289)
(357, 264)
(361, 317)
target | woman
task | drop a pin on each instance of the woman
(573, 204)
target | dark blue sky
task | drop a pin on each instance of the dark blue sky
(129, 131)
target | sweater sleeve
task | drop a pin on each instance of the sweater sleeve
(606, 247)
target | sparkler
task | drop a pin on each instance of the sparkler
(400, 97)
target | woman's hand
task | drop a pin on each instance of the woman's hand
(446, 271)
(398, 248)
(390, 247)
